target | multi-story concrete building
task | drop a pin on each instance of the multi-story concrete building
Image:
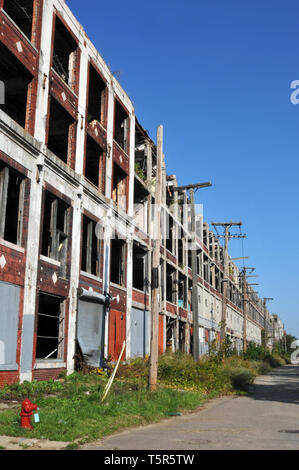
(77, 188)
(277, 332)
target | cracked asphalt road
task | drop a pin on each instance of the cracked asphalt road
(266, 419)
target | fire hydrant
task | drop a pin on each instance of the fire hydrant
(26, 413)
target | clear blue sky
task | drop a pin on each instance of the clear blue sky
(216, 74)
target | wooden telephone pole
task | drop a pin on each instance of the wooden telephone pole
(227, 236)
(195, 312)
(154, 349)
(245, 304)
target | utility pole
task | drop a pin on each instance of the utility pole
(227, 236)
(154, 350)
(191, 188)
(245, 304)
(265, 322)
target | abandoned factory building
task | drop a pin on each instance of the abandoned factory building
(77, 191)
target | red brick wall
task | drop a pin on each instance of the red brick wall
(8, 377)
(47, 374)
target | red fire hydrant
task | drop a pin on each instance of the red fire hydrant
(26, 413)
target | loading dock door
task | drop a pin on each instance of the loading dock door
(139, 333)
(91, 332)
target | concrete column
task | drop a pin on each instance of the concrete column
(43, 80)
(30, 290)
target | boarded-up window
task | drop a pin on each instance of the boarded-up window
(91, 332)
(9, 318)
(139, 332)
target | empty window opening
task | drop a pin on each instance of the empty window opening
(64, 54)
(90, 261)
(50, 326)
(169, 236)
(140, 153)
(181, 252)
(190, 253)
(117, 275)
(182, 291)
(182, 335)
(11, 205)
(119, 187)
(170, 333)
(21, 13)
(140, 205)
(94, 163)
(139, 267)
(16, 81)
(96, 97)
(170, 283)
(59, 130)
(55, 229)
(206, 268)
(199, 263)
(121, 126)
(162, 282)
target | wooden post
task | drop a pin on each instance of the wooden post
(224, 288)
(194, 280)
(245, 304)
(154, 351)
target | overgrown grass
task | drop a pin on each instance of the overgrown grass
(71, 409)
(74, 410)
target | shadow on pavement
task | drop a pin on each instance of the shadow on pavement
(281, 385)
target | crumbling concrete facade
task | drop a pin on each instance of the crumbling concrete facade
(77, 188)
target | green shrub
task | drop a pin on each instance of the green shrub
(254, 352)
(264, 368)
(242, 378)
(274, 360)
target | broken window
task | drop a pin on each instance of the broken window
(182, 291)
(60, 123)
(140, 205)
(12, 186)
(121, 127)
(139, 267)
(119, 187)
(90, 260)
(96, 97)
(170, 283)
(170, 333)
(21, 12)
(50, 327)
(94, 163)
(180, 252)
(182, 335)
(190, 253)
(55, 229)
(140, 153)
(169, 237)
(117, 262)
(16, 81)
(162, 290)
(64, 54)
